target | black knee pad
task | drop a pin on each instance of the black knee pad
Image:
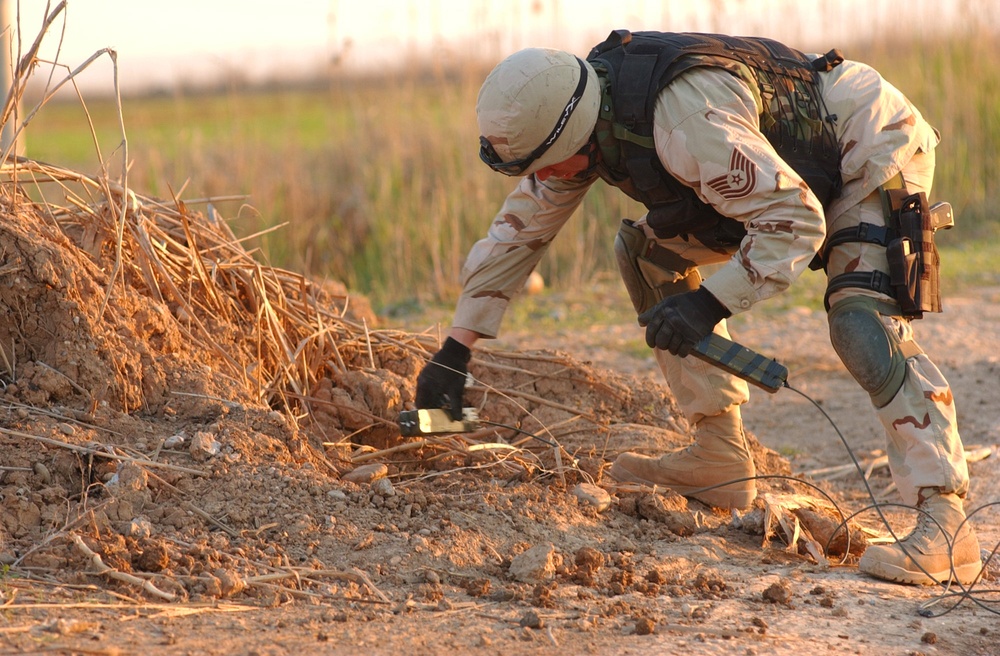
(872, 353)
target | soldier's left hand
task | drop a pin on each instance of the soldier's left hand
(678, 322)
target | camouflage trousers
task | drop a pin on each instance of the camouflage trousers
(922, 438)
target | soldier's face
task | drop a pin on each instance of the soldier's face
(565, 169)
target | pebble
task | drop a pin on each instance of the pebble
(42, 472)
(367, 473)
(204, 446)
(230, 582)
(531, 620)
(383, 487)
(778, 593)
(644, 626)
(593, 495)
(140, 527)
(174, 441)
(535, 565)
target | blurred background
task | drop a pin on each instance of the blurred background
(350, 126)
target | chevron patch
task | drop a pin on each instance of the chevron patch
(741, 179)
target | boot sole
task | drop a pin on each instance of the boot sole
(964, 574)
(717, 498)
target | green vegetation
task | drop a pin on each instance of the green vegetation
(380, 186)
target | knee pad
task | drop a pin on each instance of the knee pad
(649, 271)
(872, 354)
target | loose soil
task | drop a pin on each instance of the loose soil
(179, 476)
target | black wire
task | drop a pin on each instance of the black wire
(965, 593)
(523, 432)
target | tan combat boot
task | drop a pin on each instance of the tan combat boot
(718, 454)
(928, 558)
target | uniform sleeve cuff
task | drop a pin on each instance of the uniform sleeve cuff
(729, 285)
(479, 315)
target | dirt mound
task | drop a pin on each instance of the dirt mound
(181, 413)
(184, 424)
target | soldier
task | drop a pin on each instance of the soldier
(753, 155)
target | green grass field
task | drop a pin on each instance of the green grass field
(378, 184)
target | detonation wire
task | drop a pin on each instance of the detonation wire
(924, 611)
(966, 592)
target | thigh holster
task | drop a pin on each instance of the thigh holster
(649, 271)
(908, 237)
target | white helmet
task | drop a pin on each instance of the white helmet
(538, 107)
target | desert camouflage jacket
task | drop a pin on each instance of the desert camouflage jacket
(708, 136)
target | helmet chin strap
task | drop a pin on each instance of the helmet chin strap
(593, 154)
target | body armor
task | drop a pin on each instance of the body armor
(634, 68)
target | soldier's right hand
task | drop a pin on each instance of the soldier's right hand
(441, 383)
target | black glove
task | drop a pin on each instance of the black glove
(679, 322)
(441, 383)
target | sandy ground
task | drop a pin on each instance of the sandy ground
(177, 516)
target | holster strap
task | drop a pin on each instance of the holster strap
(865, 232)
(874, 280)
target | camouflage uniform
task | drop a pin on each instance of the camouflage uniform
(707, 135)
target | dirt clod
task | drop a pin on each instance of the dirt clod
(778, 593)
(644, 626)
(531, 620)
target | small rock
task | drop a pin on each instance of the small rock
(929, 638)
(42, 472)
(991, 565)
(669, 509)
(367, 473)
(174, 441)
(477, 587)
(778, 593)
(204, 446)
(644, 626)
(140, 527)
(383, 487)
(534, 565)
(593, 495)
(131, 477)
(531, 620)
(230, 583)
(589, 558)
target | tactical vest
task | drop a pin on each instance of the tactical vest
(634, 68)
